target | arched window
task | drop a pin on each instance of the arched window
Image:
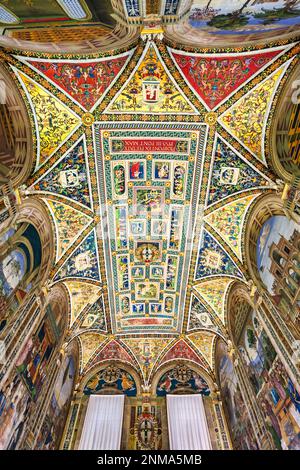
(16, 158)
(272, 237)
(284, 130)
(19, 268)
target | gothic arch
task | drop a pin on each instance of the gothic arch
(275, 273)
(80, 399)
(238, 300)
(207, 387)
(59, 302)
(33, 212)
(16, 157)
(265, 207)
(283, 130)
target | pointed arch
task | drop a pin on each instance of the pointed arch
(16, 145)
(283, 130)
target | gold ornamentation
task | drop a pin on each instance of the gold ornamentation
(88, 119)
(211, 118)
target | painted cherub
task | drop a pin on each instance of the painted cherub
(127, 384)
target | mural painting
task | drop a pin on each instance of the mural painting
(53, 424)
(69, 176)
(278, 397)
(85, 83)
(12, 271)
(55, 121)
(183, 379)
(247, 118)
(95, 316)
(238, 418)
(111, 379)
(148, 211)
(200, 317)
(18, 269)
(69, 223)
(150, 89)
(15, 407)
(214, 79)
(33, 361)
(231, 174)
(241, 17)
(83, 262)
(212, 259)
(278, 263)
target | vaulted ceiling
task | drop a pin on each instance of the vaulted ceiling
(148, 162)
(89, 25)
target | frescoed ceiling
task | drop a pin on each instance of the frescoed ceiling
(148, 162)
(60, 11)
(236, 22)
(89, 25)
(69, 25)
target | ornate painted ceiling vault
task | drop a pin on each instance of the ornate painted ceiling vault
(148, 162)
(86, 26)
